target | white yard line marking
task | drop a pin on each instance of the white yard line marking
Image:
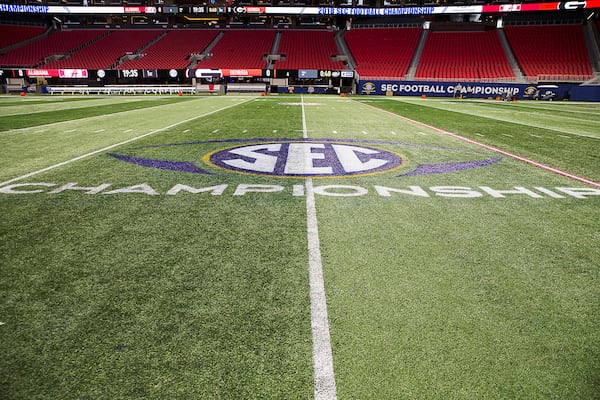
(479, 134)
(128, 130)
(216, 130)
(393, 133)
(537, 136)
(70, 130)
(322, 355)
(85, 118)
(563, 136)
(364, 132)
(112, 146)
(494, 149)
(422, 133)
(186, 131)
(274, 130)
(99, 130)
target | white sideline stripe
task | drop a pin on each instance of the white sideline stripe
(322, 355)
(495, 149)
(85, 118)
(112, 146)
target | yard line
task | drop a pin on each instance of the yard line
(495, 149)
(128, 130)
(498, 118)
(112, 146)
(322, 355)
(82, 119)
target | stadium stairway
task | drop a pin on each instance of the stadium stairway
(519, 77)
(592, 42)
(206, 53)
(414, 63)
(343, 49)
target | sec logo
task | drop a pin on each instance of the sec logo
(305, 159)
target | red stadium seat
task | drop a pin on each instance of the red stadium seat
(463, 56)
(382, 52)
(556, 50)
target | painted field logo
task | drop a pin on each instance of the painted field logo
(297, 158)
(304, 159)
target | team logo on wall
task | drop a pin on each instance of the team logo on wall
(297, 158)
(368, 88)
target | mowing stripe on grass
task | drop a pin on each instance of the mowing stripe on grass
(510, 120)
(492, 148)
(322, 355)
(119, 144)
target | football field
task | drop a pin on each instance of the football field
(298, 247)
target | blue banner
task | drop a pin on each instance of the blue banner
(466, 89)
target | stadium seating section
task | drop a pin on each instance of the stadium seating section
(540, 50)
(61, 42)
(550, 50)
(173, 50)
(463, 55)
(11, 34)
(106, 51)
(308, 50)
(240, 49)
(383, 52)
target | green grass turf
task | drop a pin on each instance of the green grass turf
(535, 130)
(27, 119)
(131, 295)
